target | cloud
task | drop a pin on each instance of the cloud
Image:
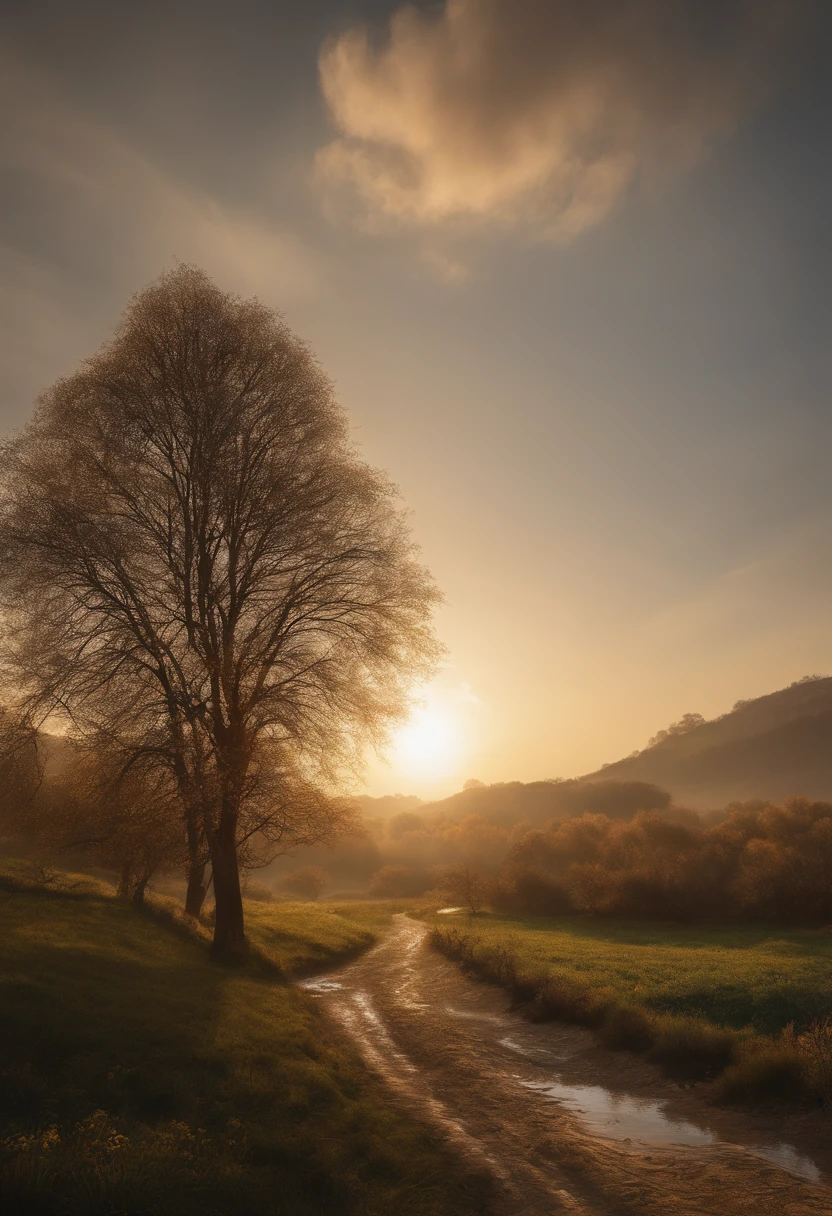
(540, 112)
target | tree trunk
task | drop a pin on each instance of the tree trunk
(138, 893)
(229, 945)
(197, 889)
(123, 888)
(197, 864)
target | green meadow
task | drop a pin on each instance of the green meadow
(307, 937)
(734, 975)
(138, 1077)
(744, 1004)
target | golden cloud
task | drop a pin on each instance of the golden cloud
(541, 112)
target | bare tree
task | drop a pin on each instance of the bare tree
(281, 810)
(462, 885)
(193, 556)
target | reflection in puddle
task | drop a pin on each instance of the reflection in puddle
(624, 1118)
(787, 1158)
(447, 911)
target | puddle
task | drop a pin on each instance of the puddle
(788, 1158)
(447, 911)
(622, 1118)
(474, 1015)
(643, 1120)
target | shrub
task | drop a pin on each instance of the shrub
(259, 892)
(398, 882)
(628, 1028)
(534, 891)
(814, 1047)
(462, 885)
(308, 882)
(692, 1049)
(765, 1070)
(560, 998)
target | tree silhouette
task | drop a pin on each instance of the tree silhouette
(194, 560)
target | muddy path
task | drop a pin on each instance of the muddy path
(561, 1124)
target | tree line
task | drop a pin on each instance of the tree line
(751, 861)
(762, 862)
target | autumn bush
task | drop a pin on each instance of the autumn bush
(307, 882)
(764, 862)
(399, 882)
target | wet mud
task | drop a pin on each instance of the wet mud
(561, 1124)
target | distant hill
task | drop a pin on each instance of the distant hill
(507, 803)
(771, 747)
(387, 805)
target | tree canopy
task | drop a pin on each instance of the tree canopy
(195, 562)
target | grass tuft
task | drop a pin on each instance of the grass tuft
(692, 1049)
(764, 1071)
(628, 1028)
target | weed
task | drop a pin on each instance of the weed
(765, 1070)
(692, 1049)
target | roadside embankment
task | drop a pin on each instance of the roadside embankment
(138, 1077)
(748, 1007)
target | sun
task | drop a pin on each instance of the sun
(429, 745)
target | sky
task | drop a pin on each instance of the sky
(569, 269)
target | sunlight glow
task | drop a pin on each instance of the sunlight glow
(429, 746)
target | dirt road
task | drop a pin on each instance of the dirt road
(563, 1125)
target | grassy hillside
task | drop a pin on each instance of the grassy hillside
(138, 1077)
(701, 999)
(307, 937)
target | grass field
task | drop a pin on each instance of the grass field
(736, 975)
(700, 999)
(305, 937)
(138, 1077)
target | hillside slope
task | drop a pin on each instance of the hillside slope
(509, 802)
(772, 747)
(137, 1077)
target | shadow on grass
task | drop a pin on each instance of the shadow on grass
(138, 1078)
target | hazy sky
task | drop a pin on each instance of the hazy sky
(569, 266)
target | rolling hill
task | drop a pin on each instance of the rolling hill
(771, 747)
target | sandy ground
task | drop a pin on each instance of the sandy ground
(561, 1124)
